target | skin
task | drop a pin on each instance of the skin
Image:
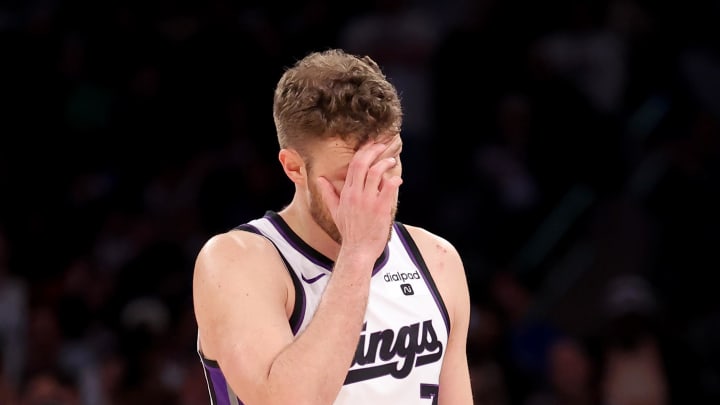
(343, 207)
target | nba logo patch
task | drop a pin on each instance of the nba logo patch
(407, 289)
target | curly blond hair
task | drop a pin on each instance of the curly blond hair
(334, 94)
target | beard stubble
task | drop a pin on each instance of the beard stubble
(321, 214)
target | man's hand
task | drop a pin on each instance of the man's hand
(363, 209)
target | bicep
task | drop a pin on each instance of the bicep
(240, 294)
(455, 387)
(448, 271)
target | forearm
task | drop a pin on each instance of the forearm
(320, 356)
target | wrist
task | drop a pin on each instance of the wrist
(356, 258)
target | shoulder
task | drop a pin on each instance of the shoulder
(446, 268)
(232, 254)
(435, 248)
(233, 242)
(235, 273)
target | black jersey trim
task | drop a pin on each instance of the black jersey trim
(416, 256)
(298, 312)
(300, 245)
(209, 362)
(308, 251)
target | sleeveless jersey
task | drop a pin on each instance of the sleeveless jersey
(405, 333)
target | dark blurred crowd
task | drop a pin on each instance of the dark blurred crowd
(569, 149)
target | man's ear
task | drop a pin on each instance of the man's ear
(293, 165)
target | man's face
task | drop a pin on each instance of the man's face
(330, 160)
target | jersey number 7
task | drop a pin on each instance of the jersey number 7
(429, 391)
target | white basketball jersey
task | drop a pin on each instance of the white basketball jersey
(402, 345)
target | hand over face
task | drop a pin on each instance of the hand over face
(363, 209)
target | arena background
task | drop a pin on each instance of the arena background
(569, 149)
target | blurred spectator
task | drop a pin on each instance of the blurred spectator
(487, 373)
(504, 160)
(14, 300)
(529, 337)
(512, 198)
(44, 341)
(144, 332)
(589, 54)
(684, 201)
(492, 35)
(571, 377)
(488, 384)
(634, 364)
(8, 390)
(101, 383)
(49, 387)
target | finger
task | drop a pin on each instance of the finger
(389, 187)
(358, 167)
(328, 194)
(394, 146)
(377, 172)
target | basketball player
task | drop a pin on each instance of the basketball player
(330, 300)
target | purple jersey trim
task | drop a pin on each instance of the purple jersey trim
(217, 384)
(416, 257)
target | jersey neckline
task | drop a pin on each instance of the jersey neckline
(311, 252)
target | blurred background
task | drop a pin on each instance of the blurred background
(568, 148)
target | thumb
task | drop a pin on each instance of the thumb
(328, 194)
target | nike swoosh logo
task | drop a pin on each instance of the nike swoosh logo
(312, 280)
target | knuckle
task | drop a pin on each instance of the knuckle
(376, 170)
(358, 163)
